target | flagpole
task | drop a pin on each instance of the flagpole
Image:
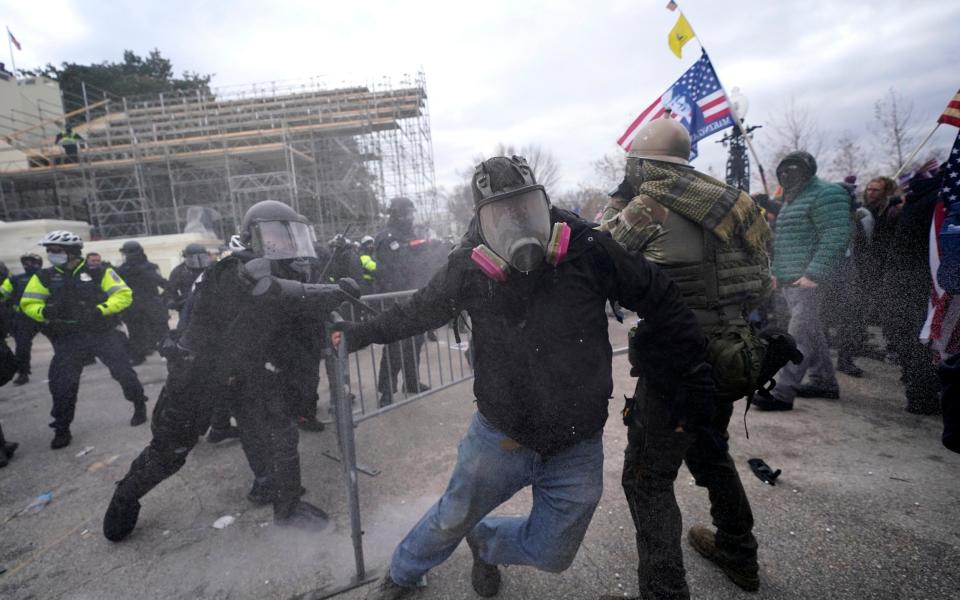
(733, 111)
(917, 149)
(13, 61)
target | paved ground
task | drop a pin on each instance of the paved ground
(868, 505)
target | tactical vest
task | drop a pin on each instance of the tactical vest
(728, 276)
(76, 292)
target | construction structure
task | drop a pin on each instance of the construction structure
(174, 162)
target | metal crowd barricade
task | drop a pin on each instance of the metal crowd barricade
(443, 361)
(355, 387)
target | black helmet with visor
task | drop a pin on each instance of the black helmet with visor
(275, 231)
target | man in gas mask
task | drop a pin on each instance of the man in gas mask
(146, 319)
(236, 333)
(711, 239)
(395, 251)
(535, 280)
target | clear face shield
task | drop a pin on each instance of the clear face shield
(197, 261)
(516, 226)
(279, 240)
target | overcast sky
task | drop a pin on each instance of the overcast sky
(566, 75)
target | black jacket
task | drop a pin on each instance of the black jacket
(179, 285)
(907, 278)
(145, 280)
(238, 334)
(542, 355)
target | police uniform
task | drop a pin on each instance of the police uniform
(146, 319)
(78, 311)
(229, 338)
(396, 268)
(23, 328)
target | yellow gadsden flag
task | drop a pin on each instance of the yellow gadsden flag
(680, 35)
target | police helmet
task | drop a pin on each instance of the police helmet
(195, 256)
(131, 247)
(275, 231)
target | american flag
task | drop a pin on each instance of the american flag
(943, 317)
(951, 116)
(15, 41)
(696, 99)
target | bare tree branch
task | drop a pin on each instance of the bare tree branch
(893, 125)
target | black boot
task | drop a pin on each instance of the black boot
(262, 493)
(121, 515)
(218, 435)
(301, 515)
(139, 412)
(846, 365)
(6, 449)
(61, 439)
(309, 424)
(22, 378)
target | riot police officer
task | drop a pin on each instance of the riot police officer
(369, 264)
(236, 335)
(146, 319)
(195, 260)
(77, 307)
(396, 269)
(24, 328)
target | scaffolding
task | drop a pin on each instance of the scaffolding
(337, 155)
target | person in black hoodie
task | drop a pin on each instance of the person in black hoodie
(146, 319)
(535, 280)
(907, 284)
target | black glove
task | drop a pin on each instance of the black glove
(54, 311)
(92, 314)
(763, 471)
(695, 399)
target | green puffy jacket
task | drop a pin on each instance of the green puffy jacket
(812, 233)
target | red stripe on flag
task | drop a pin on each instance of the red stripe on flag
(723, 113)
(711, 104)
(637, 121)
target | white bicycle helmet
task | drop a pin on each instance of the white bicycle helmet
(67, 239)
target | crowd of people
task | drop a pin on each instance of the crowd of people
(733, 293)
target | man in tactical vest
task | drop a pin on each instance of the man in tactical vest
(535, 280)
(239, 330)
(710, 239)
(77, 308)
(146, 319)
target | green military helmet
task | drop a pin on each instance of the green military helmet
(665, 140)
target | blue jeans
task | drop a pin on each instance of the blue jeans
(490, 470)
